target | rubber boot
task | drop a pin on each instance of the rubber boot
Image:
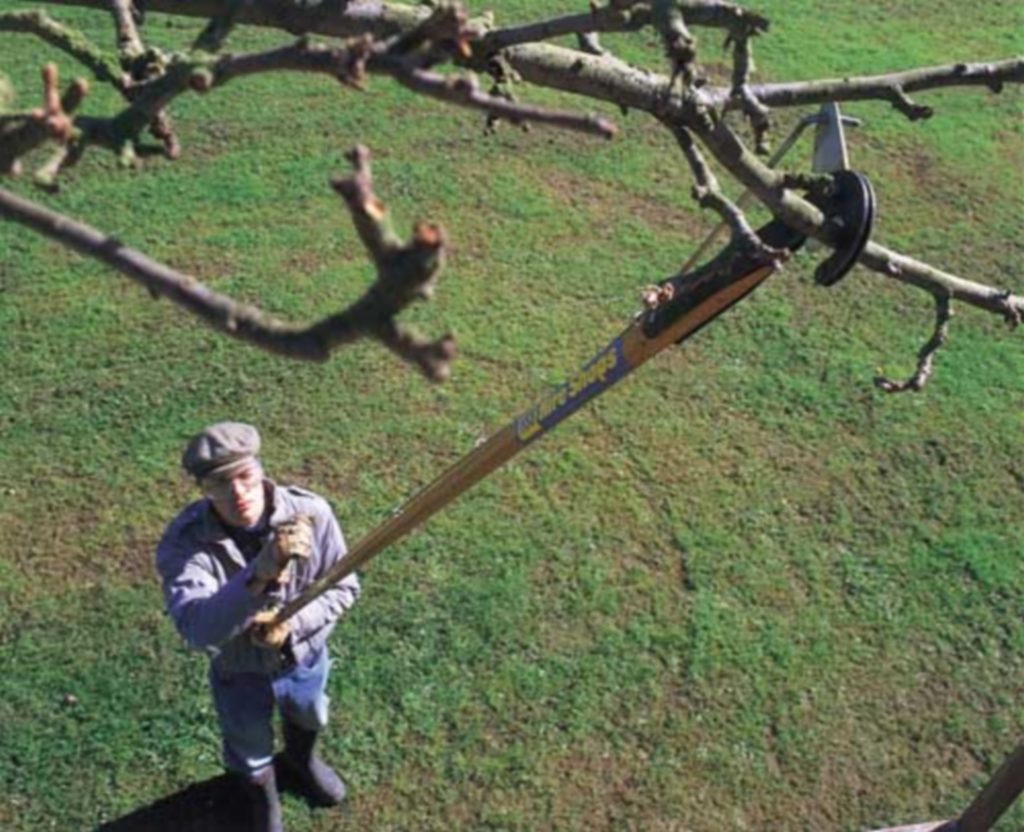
(261, 790)
(319, 781)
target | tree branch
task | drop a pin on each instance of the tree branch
(466, 92)
(103, 65)
(708, 194)
(129, 44)
(893, 87)
(600, 19)
(926, 356)
(906, 269)
(349, 63)
(405, 273)
(22, 132)
(742, 97)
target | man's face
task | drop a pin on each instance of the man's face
(238, 498)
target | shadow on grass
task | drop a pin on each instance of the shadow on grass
(215, 805)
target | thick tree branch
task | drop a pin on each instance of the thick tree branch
(405, 273)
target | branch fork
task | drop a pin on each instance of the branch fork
(21, 133)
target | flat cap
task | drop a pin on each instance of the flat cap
(219, 448)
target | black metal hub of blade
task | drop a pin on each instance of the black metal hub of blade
(851, 211)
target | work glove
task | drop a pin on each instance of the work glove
(291, 540)
(263, 634)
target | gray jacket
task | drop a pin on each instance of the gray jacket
(204, 576)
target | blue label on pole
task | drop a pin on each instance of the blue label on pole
(600, 373)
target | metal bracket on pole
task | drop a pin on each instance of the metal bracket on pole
(830, 152)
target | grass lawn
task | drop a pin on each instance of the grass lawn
(743, 591)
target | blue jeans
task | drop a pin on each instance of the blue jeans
(245, 708)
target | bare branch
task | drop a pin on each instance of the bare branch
(606, 78)
(22, 132)
(104, 66)
(333, 18)
(466, 93)
(894, 87)
(769, 186)
(708, 194)
(347, 63)
(405, 273)
(143, 64)
(129, 44)
(610, 18)
(942, 284)
(626, 16)
(219, 27)
(742, 97)
(926, 356)
(680, 45)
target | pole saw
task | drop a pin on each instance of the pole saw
(691, 299)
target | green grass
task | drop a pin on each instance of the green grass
(744, 591)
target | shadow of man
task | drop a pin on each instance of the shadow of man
(215, 805)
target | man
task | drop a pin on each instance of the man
(226, 561)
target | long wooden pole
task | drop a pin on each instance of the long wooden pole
(698, 298)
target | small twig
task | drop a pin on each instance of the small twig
(129, 44)
(219, 27)
(680, 45)
(742, 97)
(52, 116)
(926, 356)
(901, 101)
(708, 194)
(21, 133)
(590, 43)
